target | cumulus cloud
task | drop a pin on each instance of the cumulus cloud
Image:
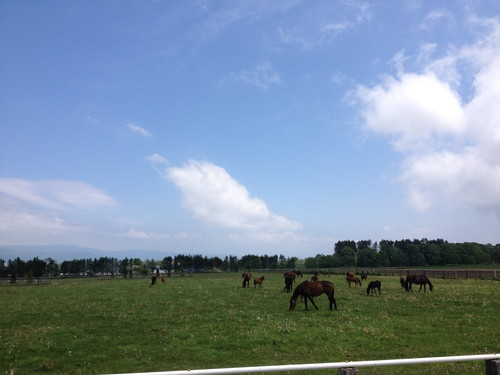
(448, 132)
(215, 197)
(56, 194)
(413, 110)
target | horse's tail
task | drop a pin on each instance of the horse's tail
(407, 285)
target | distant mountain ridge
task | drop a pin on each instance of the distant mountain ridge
(62, 252)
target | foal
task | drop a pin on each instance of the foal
(372, 288)
(258, 281)
(354, 280)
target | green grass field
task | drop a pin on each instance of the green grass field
(210, 321)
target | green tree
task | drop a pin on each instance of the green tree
(367, 257)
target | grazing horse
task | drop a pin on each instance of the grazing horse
(298, 273)
(314, 278)
(372, 287)
(354, 280)
(153, 280)
(292, 274)
(258, 281)
(246, 279)
(288, 283)
(348, 275)
(421, 280)
(402, 282)
(364, 276)
(310, 289)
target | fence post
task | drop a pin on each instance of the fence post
(352, 371)
(492, 367)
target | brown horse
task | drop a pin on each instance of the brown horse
(153, 280)
(310, 289)
(421, 280)
(372, 287)
(314, 278)
(288, 283)
(298, 273)
(163, 281)
(364, 276)
(292, 274)
(258, 281)
(354, 280)
(348, 275)
(247, 276)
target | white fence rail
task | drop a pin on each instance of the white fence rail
(322, 366)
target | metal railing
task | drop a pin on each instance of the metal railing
(322, 366)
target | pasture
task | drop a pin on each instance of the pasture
(90, 326)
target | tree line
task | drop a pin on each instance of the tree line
(128, 267)
(405, 253)
(348, 253)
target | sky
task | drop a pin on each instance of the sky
(248, 127)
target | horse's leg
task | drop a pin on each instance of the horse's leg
(312, 301)
(332, 301)
(305, 302)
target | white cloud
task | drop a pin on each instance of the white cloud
(157, 159)
(262, 76)
(413, 110)
(215, 197)
(56, 194)
(451, 142)
(139, 130)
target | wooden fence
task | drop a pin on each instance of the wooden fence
(445, 273)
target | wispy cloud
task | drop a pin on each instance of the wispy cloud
(451, 145)
(156, 159)
(215, 197)
(139, 130)
(316, 30)
(56, 194)
(262, 76)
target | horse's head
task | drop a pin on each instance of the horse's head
(293, 303)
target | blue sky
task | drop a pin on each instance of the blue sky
(248, 127)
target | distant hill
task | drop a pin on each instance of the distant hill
(69, 252)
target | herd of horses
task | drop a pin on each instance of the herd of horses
(307, 290)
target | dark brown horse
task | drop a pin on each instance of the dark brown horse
(288, 283)
(364, 276)
(247, 276)
(298, 273)
(348, 275)
(153, 280)
(314, 278)
(372, 287)
(402, 282)
(310, 289)
(292, 274)
(354, 280)
(258, 282)
(421, 280)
